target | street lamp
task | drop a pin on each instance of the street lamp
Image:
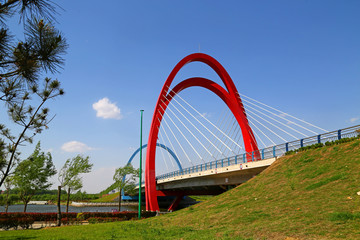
(140, 170)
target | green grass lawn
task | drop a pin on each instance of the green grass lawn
(107, 198)
(308, 195)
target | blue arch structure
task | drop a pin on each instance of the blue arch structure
(162, 146)
(137, 151)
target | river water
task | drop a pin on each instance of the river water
(53, 208)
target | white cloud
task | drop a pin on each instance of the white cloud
(106, 109)
(352, 120)
(75, 146)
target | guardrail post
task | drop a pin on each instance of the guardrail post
(228, 161)
(235, 159)
(263, 154)
(287, 147)
(222, 162)
(339, 134)
(274, 154)
(252, 156)
(216, 164)
(319, 138)
(244, 157)
(210, 165)
(301, 142)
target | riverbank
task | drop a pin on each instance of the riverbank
(46, 224)
(49, 208)
(104, 204)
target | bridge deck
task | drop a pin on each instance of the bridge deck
(215, 178)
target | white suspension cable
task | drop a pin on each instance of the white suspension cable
(230, 132)
(172, 105)
(167, 168)
(236, 132)
(172, 146)
(165, 121)
(284, 113)
(161, 138)
(268, 129)
(205, 119)
(257, 136)
(212, 138)
(201, 158)
(182, 134)
(272, 124)
(277, 121)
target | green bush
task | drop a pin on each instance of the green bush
(319, 145)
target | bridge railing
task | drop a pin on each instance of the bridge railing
(269, 152)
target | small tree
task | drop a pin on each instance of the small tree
(32, 174)
(69, 175)
(8, 199)
(124, 177)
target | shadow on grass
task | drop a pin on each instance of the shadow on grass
(17, 238)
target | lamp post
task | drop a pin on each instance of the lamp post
(140, 170)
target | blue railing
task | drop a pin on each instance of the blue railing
(266, 153)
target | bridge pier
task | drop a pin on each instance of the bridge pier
(175, 203)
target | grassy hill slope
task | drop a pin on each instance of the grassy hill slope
(308, 195)
(312, 194)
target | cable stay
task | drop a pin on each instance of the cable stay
(172, 105)
(278, 121)
(182, 134)
(254, 125)
(177, 140)
(192, 134)
(162, 140)
(268, 129)
(249, 111)
(165, 160)
(286, 114)
(205, 119)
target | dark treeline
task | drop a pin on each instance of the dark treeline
(49, 195)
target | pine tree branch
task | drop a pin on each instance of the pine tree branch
(8, 4)
(18, 142)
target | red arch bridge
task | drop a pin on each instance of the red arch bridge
(247, 138)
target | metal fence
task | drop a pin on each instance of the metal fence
(270, 152)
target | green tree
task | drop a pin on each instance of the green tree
(22, 65)
(69, 175)
(32, 174)
(8, 199)
(124, 177)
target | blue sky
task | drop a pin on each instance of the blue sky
(302, 57)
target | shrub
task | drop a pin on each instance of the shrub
(8, 221)
(25, 220)
(94, 220)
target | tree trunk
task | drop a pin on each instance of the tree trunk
(58, 220)
(7, 201)
(119, 200)
(68, 199)
(25, 205)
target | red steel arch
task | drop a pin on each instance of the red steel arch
(230, 96)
